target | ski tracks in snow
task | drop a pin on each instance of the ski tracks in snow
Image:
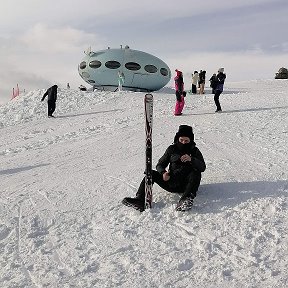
(34, 239)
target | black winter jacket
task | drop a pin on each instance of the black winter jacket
(178, 169)
(52, 93)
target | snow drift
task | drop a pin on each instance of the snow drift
(62, 181)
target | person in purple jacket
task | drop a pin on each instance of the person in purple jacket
(220, 79)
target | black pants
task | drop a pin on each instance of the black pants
(194, 89)
(216, 99)
(51, 107)
(178, 95)
(188, 187)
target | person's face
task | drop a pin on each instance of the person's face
(184, 139)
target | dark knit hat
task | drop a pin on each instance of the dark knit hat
(184, 131)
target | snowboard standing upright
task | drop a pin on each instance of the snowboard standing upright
(148, 102)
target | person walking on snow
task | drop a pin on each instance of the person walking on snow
(220, 79)
(179, 88)
(185, 162)
(52, 98)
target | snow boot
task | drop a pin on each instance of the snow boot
(135, 203)
(185, 204)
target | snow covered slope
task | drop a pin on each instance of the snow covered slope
(62, 181)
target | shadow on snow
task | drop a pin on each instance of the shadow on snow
(214, 198)
(18, 170)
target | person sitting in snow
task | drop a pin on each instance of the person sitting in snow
(185, 162)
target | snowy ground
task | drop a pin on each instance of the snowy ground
(62, 181)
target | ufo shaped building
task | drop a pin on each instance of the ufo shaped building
(141, 71)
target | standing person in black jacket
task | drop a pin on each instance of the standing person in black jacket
(183, 176)
(213, 82)
(52, 98)
(220, 79)
(202, 79)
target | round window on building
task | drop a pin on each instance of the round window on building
(95, 64)
(112, 64)
(85, 75)
(164, 71)
(132, 66)
(82, 65)
(150, 68)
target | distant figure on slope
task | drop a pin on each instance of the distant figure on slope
(68, 86)
(121, 80)
(52, 98)
(179, 88)
(219, 88)
(185, 162)
(195, 78)
(202, 78)
(213, 82)
(82, 88)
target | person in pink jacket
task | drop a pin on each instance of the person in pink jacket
(179, 89)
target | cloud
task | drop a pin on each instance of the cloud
(238, 66)
(45, 42)
(42, 56)
(44, 39)
(27, 81)
(23, 14)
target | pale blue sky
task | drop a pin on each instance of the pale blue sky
(42, 42)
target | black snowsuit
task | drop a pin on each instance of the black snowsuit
(185, 177)
(52, 98)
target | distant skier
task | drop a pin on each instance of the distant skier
(220, 79)
(185, 163)
(52, 98)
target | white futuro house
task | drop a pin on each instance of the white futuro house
(142, 71)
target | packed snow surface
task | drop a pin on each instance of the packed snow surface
(62, 223)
